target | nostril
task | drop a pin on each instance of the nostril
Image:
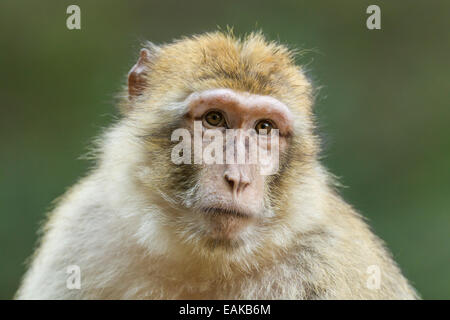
(243, 185)
(236, 182)
(231, 181)
(245, 181)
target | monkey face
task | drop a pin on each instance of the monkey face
(213, 89)
(231, 193)
(224, 155)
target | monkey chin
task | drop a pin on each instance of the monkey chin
(226, 226)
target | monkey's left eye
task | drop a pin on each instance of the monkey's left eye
(264, 125)
(215, 119)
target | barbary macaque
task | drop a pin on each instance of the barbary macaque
(147, 223)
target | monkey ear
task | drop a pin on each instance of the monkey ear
(138, 73)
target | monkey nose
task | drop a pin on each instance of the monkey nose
(237, 181)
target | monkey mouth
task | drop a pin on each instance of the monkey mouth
(225, 224)
(231, 212)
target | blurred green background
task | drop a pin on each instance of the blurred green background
(383, 108)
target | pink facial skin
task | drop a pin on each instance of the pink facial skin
(242, 110)
(231, 196)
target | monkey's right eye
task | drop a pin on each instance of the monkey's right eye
(215, 119)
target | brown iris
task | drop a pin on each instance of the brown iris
(215, 119)
(264, 125)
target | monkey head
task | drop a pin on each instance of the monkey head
(212, 87)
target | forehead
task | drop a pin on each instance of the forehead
(215, 61)
(253, 64)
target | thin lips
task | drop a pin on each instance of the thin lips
(225, 211)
